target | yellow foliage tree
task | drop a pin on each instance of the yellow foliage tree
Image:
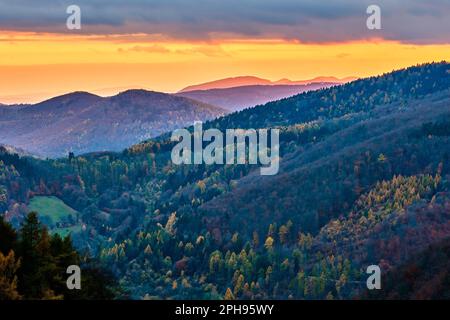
(8, 277)
(269, 243)
(228, 295)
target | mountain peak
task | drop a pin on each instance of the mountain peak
(136, 91)
(76, 97)
(228, 83)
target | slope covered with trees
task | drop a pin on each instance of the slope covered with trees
(33, 265)
(425, 276)
(363, 180)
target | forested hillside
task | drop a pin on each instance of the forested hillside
(33, 266)
(425, 276)
(364, 179)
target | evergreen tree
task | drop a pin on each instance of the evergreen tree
(8, 237)
(228, 295)
(29, 274)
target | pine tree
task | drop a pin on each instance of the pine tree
(255, 239)
(8, 237)
(239, 285)
(228, 295)
(30, 236)
(283, 234)
(148, 250)
(171, 222)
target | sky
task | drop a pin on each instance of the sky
(165, 45)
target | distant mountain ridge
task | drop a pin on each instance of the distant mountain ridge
(256, 81)
(329, 79)
(83, 122)
(238, 98)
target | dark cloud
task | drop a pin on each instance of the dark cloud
(413, 21)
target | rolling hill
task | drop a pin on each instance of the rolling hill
(82, 122)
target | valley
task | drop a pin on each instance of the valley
(363, 180)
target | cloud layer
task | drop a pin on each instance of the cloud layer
(411, 21)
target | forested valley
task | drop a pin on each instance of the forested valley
(364, 179)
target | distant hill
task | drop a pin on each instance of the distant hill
(82, 122)
(315, 80)
(238, 98)
(255, 81)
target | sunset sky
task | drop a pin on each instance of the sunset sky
(165, 45)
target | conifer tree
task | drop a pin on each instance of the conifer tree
(30, 236)
(8, 237)
(228, 295)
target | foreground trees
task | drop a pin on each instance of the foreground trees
(8, 278)
(33, 265)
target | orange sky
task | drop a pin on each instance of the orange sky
(34, 67)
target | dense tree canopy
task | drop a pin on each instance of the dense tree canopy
(364, 179)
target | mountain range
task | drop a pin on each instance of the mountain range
(81, 122)
(256, 81)
(234, 94)
(242, 97)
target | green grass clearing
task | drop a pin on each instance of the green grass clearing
(52, 210)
